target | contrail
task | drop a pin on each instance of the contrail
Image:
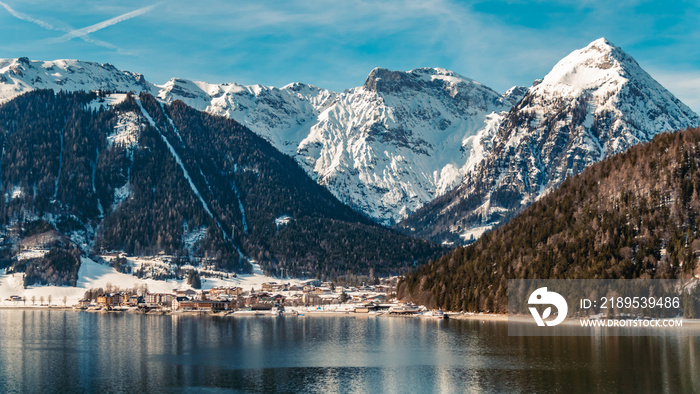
(28, 18)
(48, 26)
(109, 22)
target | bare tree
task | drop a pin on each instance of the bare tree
(49, 299)
(33, 300)
(41, 300)
(65, 299)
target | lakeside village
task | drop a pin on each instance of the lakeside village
(272, 299)
(252, 294)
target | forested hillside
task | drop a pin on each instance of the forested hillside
(88, 173)
(635, 215)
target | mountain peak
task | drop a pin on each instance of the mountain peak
(21, 75)
(602, 42)
(386, 81)
(594, 103)
(516, 93)
(598, 64)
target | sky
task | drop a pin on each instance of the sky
(335, 44)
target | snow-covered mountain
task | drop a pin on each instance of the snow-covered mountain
(385, 148)
(276, 114)
(404, 139)
(594, 103)
(399, 140)
(22, 75)
(144, 178)
(283, 116)
(515, 94)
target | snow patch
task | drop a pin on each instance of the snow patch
(283, 220)
(121, 194)
(16, 192)
(475, 233)
(31, 254)
(191, 237)
(126, 131)
(106, 102)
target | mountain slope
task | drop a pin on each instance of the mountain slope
(120, 173)
(385, 148)
(635, 215)
(398, 141)
(595, 102)
(281, 116)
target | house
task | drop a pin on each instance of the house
(251, 300)
(366, 308)
(124, 298)
(164, 299)
(83, 303)
(311, 299)
(185, 293)
(203, 305)
(311, 282)
(108, 300)
(134, 300)
(377, 298)
(220, 291)
(177, 301)
(358, 297)
(293, 300)
(278, 299)
(381, 289)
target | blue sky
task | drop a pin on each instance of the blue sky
(335, 44)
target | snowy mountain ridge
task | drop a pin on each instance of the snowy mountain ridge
(403, 139)
(594, 103)
(399, 140)
(385, 148)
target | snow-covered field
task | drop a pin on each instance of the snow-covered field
(93, 275)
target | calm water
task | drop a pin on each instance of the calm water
(67, 351)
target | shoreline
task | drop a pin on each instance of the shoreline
(484, 317)
(36, 307)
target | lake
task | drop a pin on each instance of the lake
(70, 351)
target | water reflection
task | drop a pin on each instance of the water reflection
(51, 350)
